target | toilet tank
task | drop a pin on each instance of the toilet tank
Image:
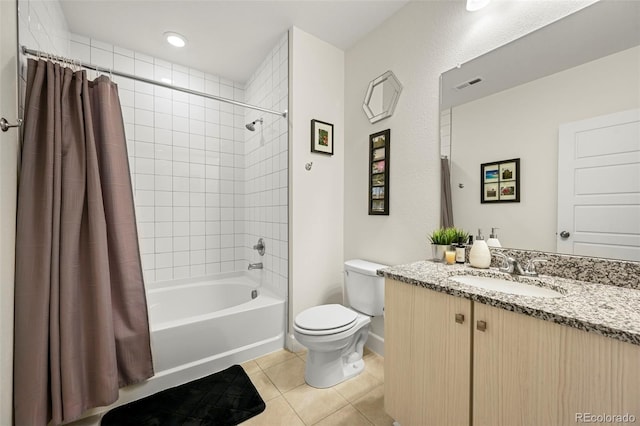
(364, 288)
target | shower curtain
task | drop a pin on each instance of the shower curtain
(81, 327)
(446, 209)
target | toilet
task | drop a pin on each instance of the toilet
(334, 334)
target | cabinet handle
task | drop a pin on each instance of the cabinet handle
(460, 318)
(481, 325)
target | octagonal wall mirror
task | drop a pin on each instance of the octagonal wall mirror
(382, 97)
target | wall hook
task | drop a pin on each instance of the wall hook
(308, 166)
(5, 125)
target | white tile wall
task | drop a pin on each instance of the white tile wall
(41, 26)
(202, 195)
(266, 156)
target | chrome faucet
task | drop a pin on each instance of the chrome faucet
(530, 270)
(511, 266)
(255, 266)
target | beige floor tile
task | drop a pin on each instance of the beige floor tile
(277, 413)
(346, 416)
(374, 365)
(313, 405)
(372, 406)
(274, 358)
(265, 387)
(287, 375)
(250, 367)
(356, 387)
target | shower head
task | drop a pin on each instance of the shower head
(252, 126)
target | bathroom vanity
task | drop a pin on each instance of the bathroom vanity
(459, 354)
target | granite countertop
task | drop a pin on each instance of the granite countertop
(608, 310)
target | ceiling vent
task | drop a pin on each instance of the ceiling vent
(471, 82)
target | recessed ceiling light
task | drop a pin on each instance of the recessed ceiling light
(473, 5)
(175, 39)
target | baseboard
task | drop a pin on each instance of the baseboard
(375, 343)
(293, 345)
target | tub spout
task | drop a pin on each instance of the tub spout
(255, 266)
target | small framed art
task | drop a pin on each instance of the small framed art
(379, 144)
(500, 181)
(321, 137)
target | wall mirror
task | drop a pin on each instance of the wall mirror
(531, 99)
(382, 97)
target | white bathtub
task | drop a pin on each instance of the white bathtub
(197, 321)
(199, 327)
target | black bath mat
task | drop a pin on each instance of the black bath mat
(222, 399)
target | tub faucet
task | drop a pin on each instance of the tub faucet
(255, 266)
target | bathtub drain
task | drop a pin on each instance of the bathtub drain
(254, 294)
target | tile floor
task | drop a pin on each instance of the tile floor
(279, 377)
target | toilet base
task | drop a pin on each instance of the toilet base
(331, 373)
(327, 369)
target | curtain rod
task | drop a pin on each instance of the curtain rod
(40, 54)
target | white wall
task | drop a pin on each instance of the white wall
(9, 149)
(523, 123)
(316, 207)
(418, 43)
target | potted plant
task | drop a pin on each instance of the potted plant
(461, 236)
(441, 240)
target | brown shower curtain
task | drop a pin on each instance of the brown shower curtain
(446, 209)
(81, 327)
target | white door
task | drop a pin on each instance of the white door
(8, 183)
(599, 186)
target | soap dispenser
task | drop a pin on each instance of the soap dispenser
(480, 256)
(493, 239)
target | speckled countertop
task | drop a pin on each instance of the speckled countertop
(608, 310)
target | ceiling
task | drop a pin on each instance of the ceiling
(225, 38)
(601, 29)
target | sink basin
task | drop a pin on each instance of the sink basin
(506, 286)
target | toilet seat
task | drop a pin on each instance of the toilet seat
(325, 319)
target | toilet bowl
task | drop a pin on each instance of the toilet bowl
(335, 335)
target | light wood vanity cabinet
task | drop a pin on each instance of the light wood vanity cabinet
(427, 356)
(519, 371)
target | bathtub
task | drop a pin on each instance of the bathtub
(205, 320)
(199, 327)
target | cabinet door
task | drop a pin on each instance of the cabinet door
(427, 356)
(528, 371)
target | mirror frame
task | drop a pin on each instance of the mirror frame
(391, 78)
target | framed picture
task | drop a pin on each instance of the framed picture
(379, 144)
(321, 137)
(500, 181)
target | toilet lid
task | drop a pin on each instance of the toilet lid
(326, 317)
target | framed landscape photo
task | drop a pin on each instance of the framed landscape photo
(321, 137)
(500, 181)
(379, 144)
